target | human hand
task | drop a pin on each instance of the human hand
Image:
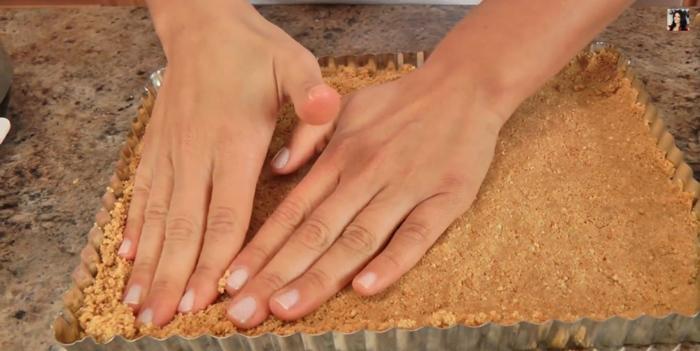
(229, 70)
(402, 164)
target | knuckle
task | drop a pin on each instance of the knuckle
(375, 167)
(415, 233)
(340, 147)
(270, 280)
(223, 144)
(221, 222)
(317, 278)
(255, 253)
(392, 259)
(378, 159)
(408, 173)
(314, 235)
(140, 191)
(180, 229)
(133, 227)
(155, 212)
(289, 213)
(208, 272)
(163, 286)
(186, 139)
(337, 151)
(143, 267)
(328, 167)
(452, 181)
(358, 238)
(303, 57)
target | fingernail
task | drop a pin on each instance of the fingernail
(4, 128)
(133, 295)
(236, 279)
(243, 309)
(146, 317)
(318, 91)
(281, 158)
(288, 299)
(367, 280)
(186, 302)
(124, 247)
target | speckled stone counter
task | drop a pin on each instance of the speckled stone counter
(78, 76)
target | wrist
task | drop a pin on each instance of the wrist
(471, 81)
(185, 22)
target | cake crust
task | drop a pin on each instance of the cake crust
(577, 218)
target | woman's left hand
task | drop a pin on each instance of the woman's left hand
(407, 158)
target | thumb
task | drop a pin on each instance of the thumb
(306, 141)
(315, 102)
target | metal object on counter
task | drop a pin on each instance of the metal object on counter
(5, 82)
(613, 333)
(4, 128)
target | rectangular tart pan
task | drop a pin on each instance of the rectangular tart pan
(667, 332)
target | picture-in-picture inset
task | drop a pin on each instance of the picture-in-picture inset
(678, 20)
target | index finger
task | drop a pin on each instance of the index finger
(233, 187)
(295, 207)
(135, 218)
(302, 249)
(183, 237)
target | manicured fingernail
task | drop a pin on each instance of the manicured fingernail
(288, 299)
(367, 280)
(4, 128)
(133, 295)
(318, 91)
(186, 302)
(124, 247)
(146, 317)
(280, 160)
(236, 279)
(243, 309)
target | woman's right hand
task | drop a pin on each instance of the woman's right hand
(229, 70)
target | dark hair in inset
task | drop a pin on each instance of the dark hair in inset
(684, 20)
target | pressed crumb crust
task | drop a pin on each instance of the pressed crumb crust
(577, 218)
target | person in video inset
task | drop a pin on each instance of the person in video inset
(679, 22)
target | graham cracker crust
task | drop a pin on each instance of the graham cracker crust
(578, 217)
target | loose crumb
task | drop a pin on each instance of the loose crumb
(221, 288)
(442, 318)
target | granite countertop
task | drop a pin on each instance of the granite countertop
(78, 77)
